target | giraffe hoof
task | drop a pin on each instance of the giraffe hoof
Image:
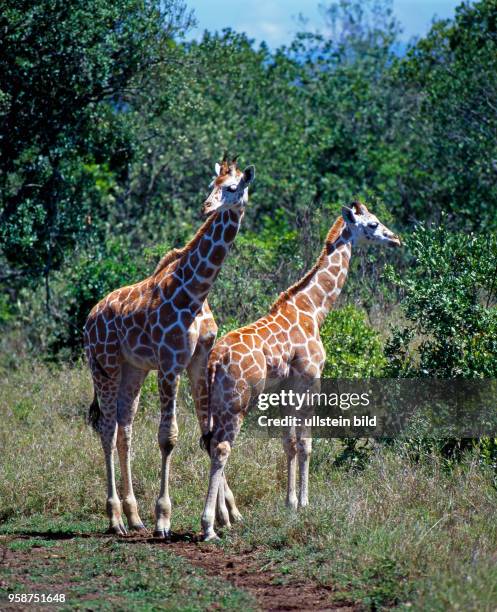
(235, 516)
(118, 529)
(162, 533)
(211, 537)
(292, 504)
(222, 519)
(140, 528)
(224, 524)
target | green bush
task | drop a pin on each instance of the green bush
(96, 273)
(450, 292)
(451, 332)
(66, 75)
(353, 348)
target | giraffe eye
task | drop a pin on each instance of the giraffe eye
(232, 188)
(373, 225)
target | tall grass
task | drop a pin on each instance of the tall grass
(395, 532)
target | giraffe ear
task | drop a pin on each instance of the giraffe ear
(217, 169)
(348, 215)
(249, 174)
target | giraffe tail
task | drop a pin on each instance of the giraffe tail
(94, 412)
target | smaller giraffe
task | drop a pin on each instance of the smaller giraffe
(285, 343)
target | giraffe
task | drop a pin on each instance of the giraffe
(162, 323)
(284, 343)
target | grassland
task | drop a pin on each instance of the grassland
(396, 533)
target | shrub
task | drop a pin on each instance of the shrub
(353, 348)
(95, 274)
(450, 297)
(450, 306)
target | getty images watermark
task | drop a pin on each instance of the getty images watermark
(293, 400)
(376, 408)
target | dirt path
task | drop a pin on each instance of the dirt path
(244, 570)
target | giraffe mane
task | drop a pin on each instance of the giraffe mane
(334, 233)
(168, 258)
(176, 254)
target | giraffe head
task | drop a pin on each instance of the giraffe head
(366, 228)
(230, 187)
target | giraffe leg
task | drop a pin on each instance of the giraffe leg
(197, 369)
(306, 375)
(113, 504)
(290, 446)
(104, 420)
(219, 456)
(234, 513)
(127, 405)
(309, 380)
(168, 436)
(304, 447)
(107, 426)
(222, 514)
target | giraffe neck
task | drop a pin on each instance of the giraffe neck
(201, 259)
(319, 289)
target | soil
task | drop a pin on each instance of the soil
(243, 570)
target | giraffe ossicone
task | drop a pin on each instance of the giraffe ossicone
(162, 323)
(282, 344)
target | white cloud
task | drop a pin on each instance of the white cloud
(274, 33)
(275, 20)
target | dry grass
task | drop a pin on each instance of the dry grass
(52, 461)
(395, 533)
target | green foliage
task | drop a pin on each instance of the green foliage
(6, 311)
(67, 69)
(488, 453)
(353, 348)
(90, 279)
(450, 80)
(123, 143)
(450, 305)
(229, 95)
(449, 301)
(353, 108)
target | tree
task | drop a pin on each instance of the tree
(67, 71)
(450, 78)
(232, 96)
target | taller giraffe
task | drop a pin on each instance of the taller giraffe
(161, 323)
(284, 343)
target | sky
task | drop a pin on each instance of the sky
(276, 21)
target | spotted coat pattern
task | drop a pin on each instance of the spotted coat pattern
(162, 323)
(284, 343)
